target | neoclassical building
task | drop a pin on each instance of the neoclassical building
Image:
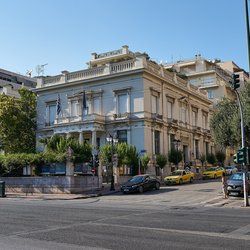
(130, 96)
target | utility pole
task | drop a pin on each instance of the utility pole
(245, 168)
(248, 32)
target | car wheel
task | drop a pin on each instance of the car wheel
(141, 189)
(215, 176)
(157, 186)
(191, 179)
(181, 181)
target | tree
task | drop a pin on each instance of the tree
(202, 159)
(211, 158)
(144, 163)
(18, 122)
(220, 156)
(175, 156)
(161, 161)
(225, 122)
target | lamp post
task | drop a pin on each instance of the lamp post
(177, 144)
(112, 140)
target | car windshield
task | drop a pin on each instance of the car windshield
(136, 179)
(229, 167)
(211, 169)
(236, 177)
(176, 173)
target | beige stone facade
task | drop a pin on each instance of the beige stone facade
(131, 96)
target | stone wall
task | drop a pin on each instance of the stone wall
(51, 184)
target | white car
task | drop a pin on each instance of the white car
(231, 170)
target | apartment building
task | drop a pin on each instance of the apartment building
(208, 75)
(10, 82)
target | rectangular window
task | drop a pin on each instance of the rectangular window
(210, 94)
(184, 114)
(154, 104)
(96, 105)
(204, 121)
(207, 148)
(172, 147)
(122, 135)
(194, 118)
(74, 108)
(157, 142)
(51, 114)
(170, 109)
(122, 103)
(196, 149)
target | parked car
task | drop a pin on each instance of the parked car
(231, 170)
(235, 184)
(140, 183)
(213, 172)
(179, 177)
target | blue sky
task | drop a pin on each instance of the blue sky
(63, 33)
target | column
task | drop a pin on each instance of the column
(93, 139)
(81, 137)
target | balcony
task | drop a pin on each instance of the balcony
(172, 122)
(156, 116)
(80, 119)
(121, 116)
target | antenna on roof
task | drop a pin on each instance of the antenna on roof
(40, 69)
(29, 72)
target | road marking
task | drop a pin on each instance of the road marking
(241, 231)
(177, 231)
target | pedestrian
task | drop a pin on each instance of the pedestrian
(224, 185)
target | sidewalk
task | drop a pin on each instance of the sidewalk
(40, 196)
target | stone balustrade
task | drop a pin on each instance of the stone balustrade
(85, 118)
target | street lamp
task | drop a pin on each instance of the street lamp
(177, 143)
(112, 140)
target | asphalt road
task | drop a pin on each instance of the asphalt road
(154, 220)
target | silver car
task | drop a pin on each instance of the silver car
(231, 170)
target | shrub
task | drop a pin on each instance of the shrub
(161, 160)
(175, 156)
(211, 158)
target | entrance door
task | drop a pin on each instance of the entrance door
(185, 153)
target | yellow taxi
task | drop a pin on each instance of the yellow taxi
(179, 177)
(213, 172)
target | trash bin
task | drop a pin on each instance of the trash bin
(2, 188)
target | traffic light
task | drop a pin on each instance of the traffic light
(235, 158)
(242, 155)
(236, 81)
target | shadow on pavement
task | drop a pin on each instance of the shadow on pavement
(152, 192)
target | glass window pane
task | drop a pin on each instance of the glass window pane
(169, 109)
(74, 108)
(52, 114)
(122, 104)
(96, 103)
(154, 104)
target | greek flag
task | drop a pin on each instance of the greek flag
(84, 103)
(58, 105)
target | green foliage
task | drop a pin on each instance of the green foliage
(105, 155)
(211, 158)
(144, 163)
(225, 122)
(18, 122)
(58, 145)
(175, 156)
(127, 155)
(220, 156)
(161, 160)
